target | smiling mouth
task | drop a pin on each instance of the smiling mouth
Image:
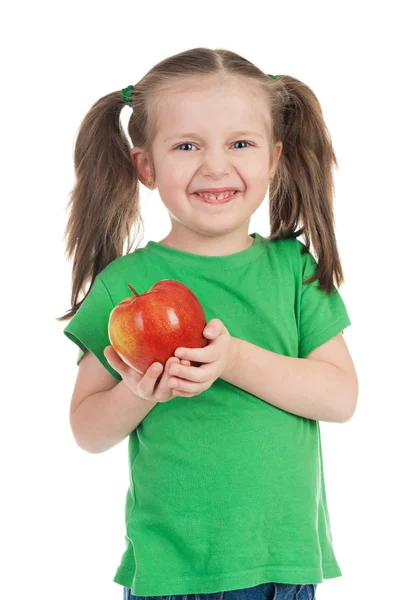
(209, 201)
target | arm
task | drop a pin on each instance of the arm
(104, 419)
(313, 389)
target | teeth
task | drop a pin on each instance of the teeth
(214, 197)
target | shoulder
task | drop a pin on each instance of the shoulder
(290, 247)
(119, 268)
(133, 268)
(293, 255)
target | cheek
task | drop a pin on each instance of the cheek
(258, 184)
(175, 200)
(173, 205)
(257, 176)
(174, 181)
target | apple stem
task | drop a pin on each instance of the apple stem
(132, 289)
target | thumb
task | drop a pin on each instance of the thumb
(212, 330)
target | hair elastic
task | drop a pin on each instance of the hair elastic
(127, 94)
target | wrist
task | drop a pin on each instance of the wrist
(233, 352)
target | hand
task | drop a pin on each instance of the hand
(217, 356)
(146, 385)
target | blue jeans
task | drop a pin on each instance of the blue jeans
(264, 591)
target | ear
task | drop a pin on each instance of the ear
(279, 149)
(277, 153)
(140, 162)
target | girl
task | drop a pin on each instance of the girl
(227, 495)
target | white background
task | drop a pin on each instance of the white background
(62, 509)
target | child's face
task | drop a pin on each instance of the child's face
(197, 147)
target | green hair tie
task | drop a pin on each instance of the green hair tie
(127, 94)
(274, 77)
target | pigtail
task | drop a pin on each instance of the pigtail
(104, 202)
(301, 193)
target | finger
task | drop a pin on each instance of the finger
(112, 355)
(108, 352)
(148, 382)
(115, 361)
(163, 389)
(213, 328)
(175, 392)
(196, 374)
(202, 355)
(188, 386)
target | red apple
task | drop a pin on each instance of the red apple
(149, 327)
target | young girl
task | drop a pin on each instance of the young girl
(227, 496)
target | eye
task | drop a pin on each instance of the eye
(242, 142)
(183, 144)
(190, 144)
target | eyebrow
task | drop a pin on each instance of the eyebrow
(195, 135)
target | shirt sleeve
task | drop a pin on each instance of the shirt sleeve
(88, 329)
(322, 316)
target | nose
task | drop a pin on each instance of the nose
(215, 165)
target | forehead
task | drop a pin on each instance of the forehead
(199, 105)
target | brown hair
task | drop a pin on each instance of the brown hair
(105, 201)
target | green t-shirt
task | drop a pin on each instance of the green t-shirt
(226, 491)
